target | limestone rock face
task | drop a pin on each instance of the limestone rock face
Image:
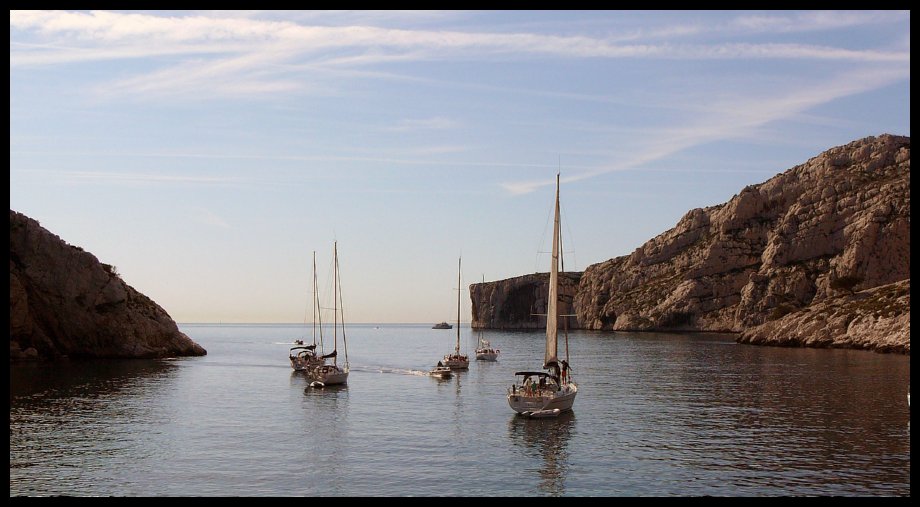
(874, 319)
(520, 302)
(837, 225)
(64, 302)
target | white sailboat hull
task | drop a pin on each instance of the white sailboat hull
(563, 399)
(329, 375)
(456, 362)
(487, 355)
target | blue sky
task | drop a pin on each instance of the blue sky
(208, 154)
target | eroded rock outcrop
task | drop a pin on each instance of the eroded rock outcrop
(874, 319)
(517, 303)
(803, 241)
(64, 302)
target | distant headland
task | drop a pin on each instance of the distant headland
(65, 303)
(817, 256)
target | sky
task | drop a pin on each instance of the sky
(208, 155)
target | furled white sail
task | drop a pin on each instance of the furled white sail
(553, 296)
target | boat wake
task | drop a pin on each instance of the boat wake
(386, 369)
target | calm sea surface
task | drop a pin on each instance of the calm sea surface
(656, 415)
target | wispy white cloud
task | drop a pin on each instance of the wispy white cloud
(810, 21)
(437, 150)
(249, 54)
(768, 23)
(435, 123)
(243, 75)
(202, 32)
(208, 217)
(738, 119)
(227, 51)
(142, 178)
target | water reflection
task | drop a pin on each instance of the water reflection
(39, 382)
(549, 439)
(668, 416)
(321, 435)
(71, 416)
(459, 408)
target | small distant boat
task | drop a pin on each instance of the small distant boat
(441, 371)
(442, 325)
(298, 342)
(485, 352)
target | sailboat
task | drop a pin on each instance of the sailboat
(457, 361)
(303, 357)
(547, 393)
(484, 351)
(331, 373)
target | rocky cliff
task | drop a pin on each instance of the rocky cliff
(875, 319)
(520, 302)
(805, 244)
(64, 302)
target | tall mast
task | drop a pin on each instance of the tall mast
(317, 311)
(338, 281)
(565, 318)
(458, 304)
(553, 296)
(314, 298)
(335, 300)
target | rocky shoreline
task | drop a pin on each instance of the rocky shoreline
(65, 303)
(817, 256)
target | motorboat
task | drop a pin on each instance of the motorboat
(441, 372)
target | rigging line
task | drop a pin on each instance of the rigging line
(335, 295)
(341, 303)
(459, 285)
(565, 223)
(546, 226)
(307, 304)
(324, 295)
(317, 314)
(565, 320)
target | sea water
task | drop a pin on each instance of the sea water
(656, 415)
